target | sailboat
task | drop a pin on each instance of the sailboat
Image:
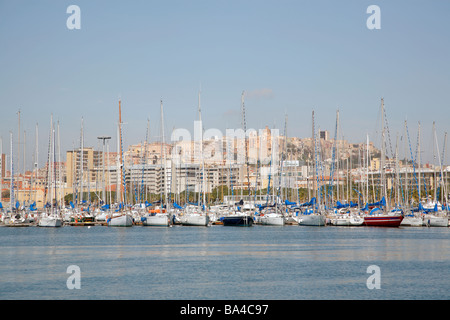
(121, 218)
(272, 216)
(242, 217)
(314, 216)
(381, 216)
(237, 218)
(15, 218)
(197, 215)
(51, 218)
(437, 215)
(412, 217)
(160, 217)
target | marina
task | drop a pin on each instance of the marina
(225, 150)
(385, 201)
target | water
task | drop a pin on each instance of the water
(217, 262)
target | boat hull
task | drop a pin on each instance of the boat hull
(194, 220)
(50, 222)
(433, 221)
(312, 220)
(156, 220)
(383, 221)
(272, 220)
(238, 221)
(411, 222)
(346, 221)
(120, 221)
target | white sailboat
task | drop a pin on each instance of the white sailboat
(431, 220)
(437, 217)
(346, 219)
(314, 216)
(121, 218)
(157, 219)
(52, 218)
(272, 217)
(197, 215)
(193, 216)
(412, 220)
(160, 217)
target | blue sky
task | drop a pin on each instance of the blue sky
(289, 56)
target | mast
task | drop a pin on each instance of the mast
(18, 148)
(103, 138)
(367, 169)
(383, 154)
(54, 166)
(36, 162)
(406, 200)
(82, 161)
(11, 197)
(441, 186)
(444, 174)
(18, 143)
(201, 149)
(314, 162)
(118, 175)
(122, 188)
(163, 151)
(143, 185)
(119, 131)
(337, 155)
(51, 164)
(418, 165)
(1, 168)
(59, 170)
(244, 127)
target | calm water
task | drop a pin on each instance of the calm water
(217, 262)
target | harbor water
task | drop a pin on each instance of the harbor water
(218, 262)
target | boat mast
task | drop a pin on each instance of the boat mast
(122, 188)
(11, 197)
(201, 151)
(54, 167)
(418, 165)
(36, 163)
(163, 151)
(441, 186)
(244, 127)
(51, 165)
(434, 163)
(59, 170)
(367, 168)
(1, 168)
(81, 161)
(383, 152)
(314, 162)
(120, 148)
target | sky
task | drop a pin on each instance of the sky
(290, 58)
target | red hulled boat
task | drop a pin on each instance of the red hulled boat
(383, 220)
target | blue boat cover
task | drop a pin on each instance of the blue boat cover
(176, 205)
